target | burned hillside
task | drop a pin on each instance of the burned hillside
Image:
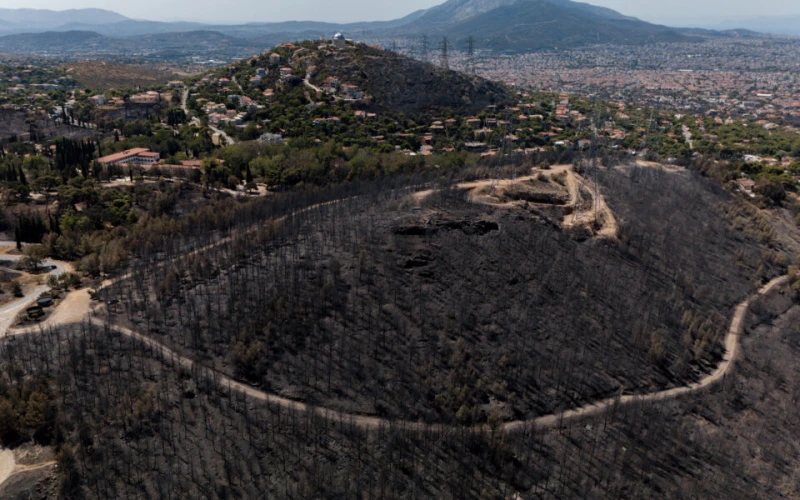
(452, 311)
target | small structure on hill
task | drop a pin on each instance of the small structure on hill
(338, 41)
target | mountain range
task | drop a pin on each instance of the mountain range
(42, 20)
(499, 25)
(779, 25)
(529, 25)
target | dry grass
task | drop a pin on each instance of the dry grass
(102, 75)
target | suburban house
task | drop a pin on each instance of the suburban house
(150, 97)
(286, 73)
(351, 92)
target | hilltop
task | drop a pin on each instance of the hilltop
(356, 75)
(402, 84)
(487, 301)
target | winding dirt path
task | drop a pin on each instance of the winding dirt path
(79, 307)
(547, 421)
(599, 213)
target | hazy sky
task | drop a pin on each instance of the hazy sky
(363, 10)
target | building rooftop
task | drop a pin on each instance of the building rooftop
(122, 155)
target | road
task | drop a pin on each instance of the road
(310, 85)
(184, 98)
(544, 422)
(228, 139)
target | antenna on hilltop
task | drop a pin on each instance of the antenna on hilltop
(445, 61)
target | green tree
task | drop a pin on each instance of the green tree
(34, 256)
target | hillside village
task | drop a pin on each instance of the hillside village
(536, 122)
(308, 93)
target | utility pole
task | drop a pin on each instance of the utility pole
(596, 197)
(471, 55)
(445, 61)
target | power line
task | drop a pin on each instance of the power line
(471, 55)
(445, 60)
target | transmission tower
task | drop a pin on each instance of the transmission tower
(445, 61)
(424, 53)
(393, 46)
(471, 55)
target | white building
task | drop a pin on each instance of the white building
(339, 41)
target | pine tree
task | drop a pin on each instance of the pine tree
(248, 175)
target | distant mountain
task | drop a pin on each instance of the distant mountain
(530, 25)
(131, 27)
(455, 11)
(39, 19)
(210, 43)
(52, 41)
(779, 25)
(499, 25)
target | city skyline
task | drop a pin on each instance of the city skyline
(242, 11)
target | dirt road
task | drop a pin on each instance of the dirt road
(547, 421)
(7, 464)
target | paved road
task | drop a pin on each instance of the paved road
(228, 139)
